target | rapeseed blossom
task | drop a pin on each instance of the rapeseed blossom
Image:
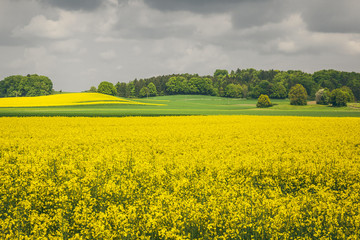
(66, 99)
(194, 177)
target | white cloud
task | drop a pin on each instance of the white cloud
(64, 27)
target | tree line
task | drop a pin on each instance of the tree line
(242, 83)
(25, 86)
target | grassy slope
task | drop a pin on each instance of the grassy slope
(185, 105)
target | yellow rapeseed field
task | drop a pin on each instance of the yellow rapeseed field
(198, 177)
(66, 99)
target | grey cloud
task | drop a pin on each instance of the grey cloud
(202, 6)
(98, 40)
(332, 16)
(87, 5)
(245, 13)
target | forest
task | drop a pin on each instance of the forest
(25, 86)
(245, 83)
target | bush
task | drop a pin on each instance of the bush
(107, 88)
(339, 98)
(322, 96)
(263, 101)
(298, 95)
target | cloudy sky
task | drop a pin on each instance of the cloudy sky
(79, 43)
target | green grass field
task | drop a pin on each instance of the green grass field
(186, 105)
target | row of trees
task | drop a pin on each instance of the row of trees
(242, 83)
(338, 97)
(30, 85)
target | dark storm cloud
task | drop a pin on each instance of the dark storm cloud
(332, 16)
(87, 5)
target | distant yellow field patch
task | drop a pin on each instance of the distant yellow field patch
(67, 99)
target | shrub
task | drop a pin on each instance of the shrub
(298, 95)
(263, 101)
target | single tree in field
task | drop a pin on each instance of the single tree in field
(263, 101)
(339, 98)
(107, 88)
(298, 95)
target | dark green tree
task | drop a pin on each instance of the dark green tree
(298, 95)
(278, 91)
(265, 87)
(263, 101)
(107, 88)
(121, 89)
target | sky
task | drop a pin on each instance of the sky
(80, 43)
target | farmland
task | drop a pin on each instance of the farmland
(100, 105)
(186, 177)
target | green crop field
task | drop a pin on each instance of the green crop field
(185, 105)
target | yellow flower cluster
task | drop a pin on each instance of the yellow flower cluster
(196, 177)
(67, 99)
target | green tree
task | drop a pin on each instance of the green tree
(263, 101)
(93, 89)
(175, 85)
(265, 87)
(350, 92)
(107, 88)
(339, 98)
(220, 73)
(30, 85)
(152, 89)
(144, 92)
(121, 89)
(233, 91)
(298, 95)
(322, 96)
(278, 91)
